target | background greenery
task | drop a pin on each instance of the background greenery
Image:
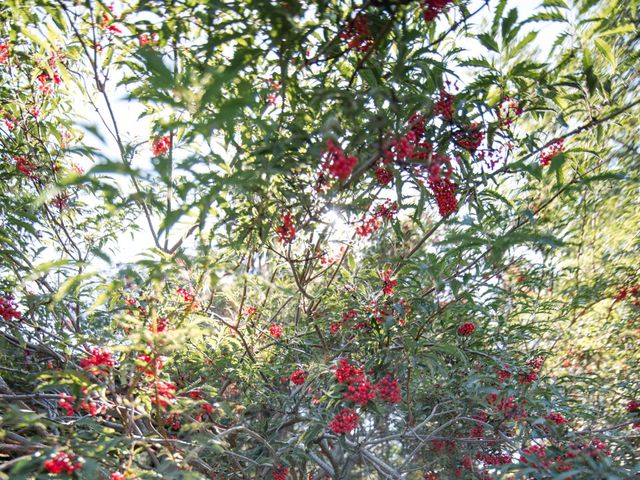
(98, 237)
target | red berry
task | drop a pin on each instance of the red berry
(445, 193)
(275, 330)
(344, 422)
(466, 329)
(62, 462)
(160, 146)
(389, 390)
(444, 106)
(551, 152)
(286, 231)
(298, 377)
(280, 472)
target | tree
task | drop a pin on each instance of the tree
(381, 239)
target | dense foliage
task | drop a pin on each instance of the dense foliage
(331, 239)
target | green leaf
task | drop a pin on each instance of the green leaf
(498, 16)
(70, 284)
(628, 28)
(607, 51)
(489, 42)
(507, 24)
(530, 37)
(555, 3)
(547, 17)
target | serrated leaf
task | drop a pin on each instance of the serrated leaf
(489, 42)
(628, 28)
(606, 50)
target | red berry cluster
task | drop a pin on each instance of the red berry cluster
(389, 390)
(159, 325)
(62, 462)
(478, 429)
(9, 308)
(344, 422)
(11, 123)
(466, 329)
(148, 39)
(346, 373)
(5, 51)
(508, 406)
(173, 422)
(275, 330)
(160, 146)
(117, 476)
(433, 8)
(249, 311)
(195, 394)
(337, 163)
(536, 363)
(360, 390)
(388, 283)
(411, 146)
(439, 446)
(444, 105)
(631, 293)
(273, 95)
(60, 201)
(90, 407)
(98, 362)
(531, 374)
(66, 403)
(150, 366)
(346, 316)
(207, 408)
(162, 393)
(593, 449)
(280, 472)
(380, 312)
(107, 22)
(507, 111)
(357, 34)
(503, 375)
(551, 152)
(469, 137)
(444, 191)
(384, 175)
(385, 211)
(401, 311)
(187, 295)
(25, 166)
(329, 260)
(494, 459)
(298, 377)
(47, 82)
(416, 150)
(556, 418)
(536, 455)
(286, 231)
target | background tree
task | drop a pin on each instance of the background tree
(381, 239)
